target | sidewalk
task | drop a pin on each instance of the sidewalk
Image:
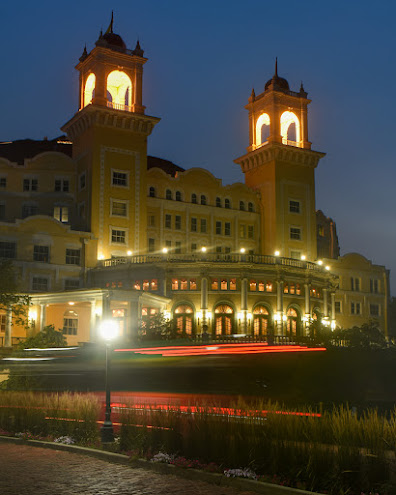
(27, 470)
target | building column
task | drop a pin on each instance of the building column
(93, 321)
(325, 303)
(279, 307)
(8, 328)
(307, 295)
(204, 301)
(244, 306)
(42, 316)
(333, 315)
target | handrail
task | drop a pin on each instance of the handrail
(257, 259)
(119, 106)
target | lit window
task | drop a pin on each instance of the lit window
(168, 221)
(154, 284)
(175, 284)
(193, 224)
(168, 194)
(224, 284)
(7, 249)
(3, 322)
(233, 284)
(73, 256)
(183, 284)
(40, 284)
(62, 185)
(294, 206)
(146, 285)
(218, 228)
(119, 178)
(298, 289)
(30, 184)
(215, 284)
(203, 199)
(295, 233)
(119, 208)
(61, 213)
(218, 202)
(178, 222)
(70, 323)
(286, 288)
(252, 285)
(292, 288)
(136, 285)
(118, 236)
(268, 287)
(261, 286)
(193, 284)
(227, 228)
(41, 253)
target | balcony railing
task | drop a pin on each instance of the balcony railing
(119, 106)
(257, 259)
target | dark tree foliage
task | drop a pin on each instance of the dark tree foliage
(366, 336)
(47, 337)
(157, 327)
(10, 296)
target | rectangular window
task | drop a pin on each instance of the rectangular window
(168, 221)
(355, 308)
(250, 231)
(374, 310)
(151, 245)
(2, 211)
(30, 184)
(261, 286)
(183, 284)
(175, 284)
(119, 208)
(233, 284)
(81, 210)
(82, 182)
(70, 326)
(355, 284)
(62, 185)
(119, 178)
(72, 283)
(154, 284)
(337, 306)
(178, 247)
(215, 284)
(224, 284)
(3, 182)
(40, 284)
(146, 285)
(168, 244)
(218, 228)
(29, 210)
(268, 287)
(151, 220)
(193, 248)
(203, 225)
(193, 284)
(242, 231)
(321, 231)
(193, 224)
(296, 255)
(137, 285)
(178, 222)
(41, 253)
(118, 236)
(2, 322)
(294, 206)
(227, 250)
(295, 233)
(73, 256)
(61, 213)
(7, 249)
(218, 249)
(374, 286)
(252, 285)
(227, 228)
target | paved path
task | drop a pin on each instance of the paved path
(26, 470)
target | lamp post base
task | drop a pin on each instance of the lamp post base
(107, 432)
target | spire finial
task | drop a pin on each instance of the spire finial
(276, 66)
(110, 28)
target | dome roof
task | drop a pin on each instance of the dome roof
(114, 40)
(278, 83)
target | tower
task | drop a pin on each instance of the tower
(109, 134)
(280, 165)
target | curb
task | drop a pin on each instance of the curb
(166, 469)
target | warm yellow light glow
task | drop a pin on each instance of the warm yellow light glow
(203, 249)
(303, 257)
(32, 314)
(129, 253)
(284, 318)
(262, 120)
(208, 314)
(240, 316)
(120, 87)
(325, 322)
(277, 317)
(101, 257)
(320, 262)
(199, 314)
(98, 311)
(277, 253)
(108, 329)
(250, 316)
(288, 118)
(242, 250)
(71, 303)
(167, 315)
(88, 90)
(327, 267)
(333, 324)
(165, 250)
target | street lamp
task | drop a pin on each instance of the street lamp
(108, 330)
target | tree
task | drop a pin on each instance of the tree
(12, 302)
(156, 327)
(48, 337)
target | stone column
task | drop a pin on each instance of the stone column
(307, 295)
(204, 300)
(8, 328)
(244, 306)
(325, 303)
(279, 306)
(333, 315)
(42, 316)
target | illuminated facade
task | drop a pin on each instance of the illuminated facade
(99, 229)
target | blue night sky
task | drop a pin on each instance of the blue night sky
(204, 59)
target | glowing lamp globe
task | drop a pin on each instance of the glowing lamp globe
(108, 330)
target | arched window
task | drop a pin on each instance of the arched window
(250, 207)
(261, 318)
(224, 320)
(293, 323)
(203, 199)
(168, 194)
(227, 203)
(70, 323)
(152, 192)
(288, 131)
(184, 320)
(178, 196)
(262, 129)
(194, 198)
(89, 89)
(218, 202)
(120, 88)
(241, 205)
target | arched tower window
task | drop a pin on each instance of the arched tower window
(261, 318)
(120, 88)
(288, 130)
(184, 319)
(224, 320)
(262, 129)
(89, 89)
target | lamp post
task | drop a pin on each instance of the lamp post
(108, 330)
